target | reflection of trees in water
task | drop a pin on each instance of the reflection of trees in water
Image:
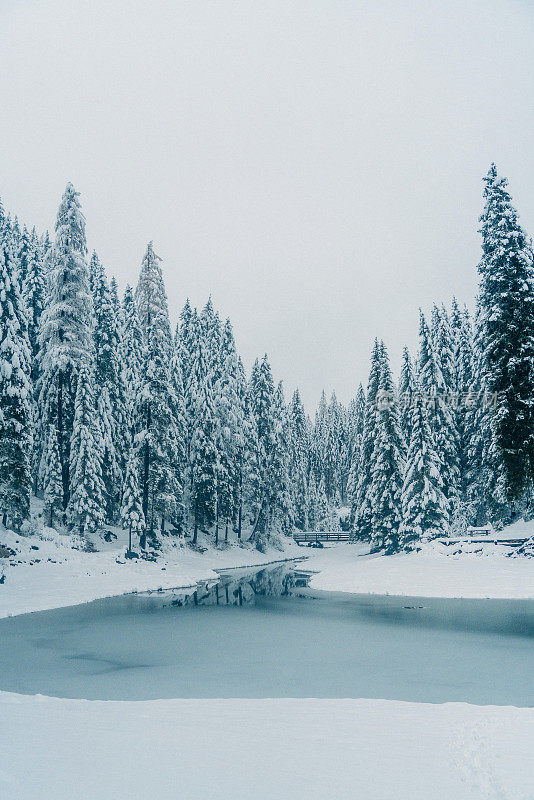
(277, 582)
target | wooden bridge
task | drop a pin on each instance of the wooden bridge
(307, 537)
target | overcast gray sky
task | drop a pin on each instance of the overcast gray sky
(315, 165)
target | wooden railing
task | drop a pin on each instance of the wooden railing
(321, 536)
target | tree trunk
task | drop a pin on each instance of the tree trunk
(51, 525)
(226, 532)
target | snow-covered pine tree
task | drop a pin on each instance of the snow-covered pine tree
(109, 391)
(94, 272)
(34, 296)
(24, 254)
(299, 460)
(441, 416)
(248, 481)
(281, 501)
(484, 476)
(361, 511)
(332, 463)
(183, 343)
(406, 390)
(116, 303)
(159, 440)
(387, 465)
(312, 510)
(15, 394)
(52, 483)
(150, 296)
(66, 337)
(357, 413)
(230, 434)
(203, 454)
(463, 356)
(131, 362)
(194, 364)
(86, 502)
(506, 319)
(323, 509)
(262, 400)
(133, 519)
(210, 326)
(424, 507)
(33, 292)
(319, 439)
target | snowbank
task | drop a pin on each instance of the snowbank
(301, 749)
(434, 572)
(48, 573)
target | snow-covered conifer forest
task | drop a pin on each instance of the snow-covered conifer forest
(110, 416)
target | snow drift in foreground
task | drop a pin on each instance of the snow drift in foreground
(238, 749)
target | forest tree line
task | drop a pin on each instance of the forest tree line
(110, 416)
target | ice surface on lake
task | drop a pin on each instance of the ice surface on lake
(261, 635)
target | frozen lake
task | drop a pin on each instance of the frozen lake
(261, 635)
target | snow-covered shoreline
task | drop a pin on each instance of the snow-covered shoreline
(63, 576)
(434, 572)
(48, 573)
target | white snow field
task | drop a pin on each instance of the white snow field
(479, 571)
(263, 749)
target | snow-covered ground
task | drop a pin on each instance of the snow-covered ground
(437, 571)
(56, 575)
(263, 749)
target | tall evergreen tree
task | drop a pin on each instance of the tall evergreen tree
(442, 417)
(86, 502)
(203, 456)
(65, 340)
(150, 296)
(357, 412)
(109, 391)
(406, 391)
(262, 400)
(424, 507)
(230, 434)
(15, 394)
(33, 292)
(387, 466)
(159, 439)
(506, 319)
(52, 483)
(362, 512)
(133, 519)
(131, 350)
(299, 460)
